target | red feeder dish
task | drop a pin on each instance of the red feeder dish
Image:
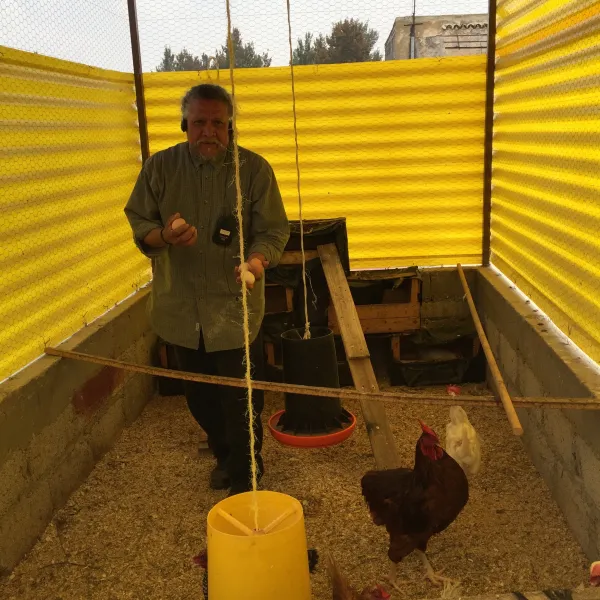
(310, 441)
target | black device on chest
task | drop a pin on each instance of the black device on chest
(224, 230)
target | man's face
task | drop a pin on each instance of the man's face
(207, 132)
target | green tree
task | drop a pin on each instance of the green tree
(311, 50)
(245, 54)
(168, 61)
(245, 57)
(183, 61)
(350, 40)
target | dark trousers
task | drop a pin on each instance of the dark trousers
(222, 411)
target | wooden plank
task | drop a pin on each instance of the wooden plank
(511, 414)
(398, 325)
(277, 299)
(353, 338)
(270, 349)
(585, 403)
(294, 257)
(385, 311)
(289, 296)
(414, 291)
(373, 411)
(396, 347)
(390, 325)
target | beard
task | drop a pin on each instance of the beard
(218, 151)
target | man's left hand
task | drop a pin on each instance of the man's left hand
(257, 264)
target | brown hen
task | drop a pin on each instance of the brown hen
(415, 504)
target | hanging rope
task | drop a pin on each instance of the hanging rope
(239, 214)
(307, 323)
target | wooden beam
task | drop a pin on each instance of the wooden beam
(353, 338)
(388, 325)
(392, 310)
(294, 257)
(586, 403)
(270, 350)
(396, 347)
(357, 353)
(513, 418)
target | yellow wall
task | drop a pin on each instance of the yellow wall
(396, 147)
(546, 166)
(69, 156)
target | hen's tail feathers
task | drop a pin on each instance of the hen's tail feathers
(341, 589)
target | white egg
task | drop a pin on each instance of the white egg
(247, 275)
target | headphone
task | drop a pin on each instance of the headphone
(184, 126)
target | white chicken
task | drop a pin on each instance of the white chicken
(462, 441)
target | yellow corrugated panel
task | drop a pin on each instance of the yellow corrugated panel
(395, 147)
(69, 156)
(546, 196)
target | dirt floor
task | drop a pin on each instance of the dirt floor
(131, 530)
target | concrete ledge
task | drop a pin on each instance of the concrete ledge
(538, 360)
(58, 417)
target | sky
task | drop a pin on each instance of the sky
(96, 32)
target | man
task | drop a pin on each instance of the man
(195, 302)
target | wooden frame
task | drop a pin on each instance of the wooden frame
(394, 317)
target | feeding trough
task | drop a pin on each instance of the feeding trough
(270, 562)
(311, 421)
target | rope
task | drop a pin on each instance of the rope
(307, 323)
(239, 215)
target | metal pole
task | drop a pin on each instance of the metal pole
(488, 138)
(413, 44)
(139, 81)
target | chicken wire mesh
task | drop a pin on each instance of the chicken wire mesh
(545, 211)
(70, 154)
(392, 144)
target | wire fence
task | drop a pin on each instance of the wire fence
(395, 146)
(392, 144)
(69, 149)
(545, 211)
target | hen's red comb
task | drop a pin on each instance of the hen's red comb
(382, 593)
(426, 429)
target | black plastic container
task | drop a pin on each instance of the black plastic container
(311, 362)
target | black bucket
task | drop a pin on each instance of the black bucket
(311, 362)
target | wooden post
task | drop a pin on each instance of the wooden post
(488, 135)
(582, 403)
(511, 413)
(378, 428)
(140, 99)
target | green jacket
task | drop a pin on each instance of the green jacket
(194, 288)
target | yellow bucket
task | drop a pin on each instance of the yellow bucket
(245, 565)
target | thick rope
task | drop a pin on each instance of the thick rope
(307, 323)
(239, 214)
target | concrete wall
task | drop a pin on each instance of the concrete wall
(536, 360)
(444, 35)
(57, 418)
(443, 307)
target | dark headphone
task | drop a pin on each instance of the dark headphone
(184, 126)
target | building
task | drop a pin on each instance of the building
(446, 35)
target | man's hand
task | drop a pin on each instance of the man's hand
(184, 235)
(257, 264)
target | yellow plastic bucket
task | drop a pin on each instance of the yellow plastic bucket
(256, 566)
